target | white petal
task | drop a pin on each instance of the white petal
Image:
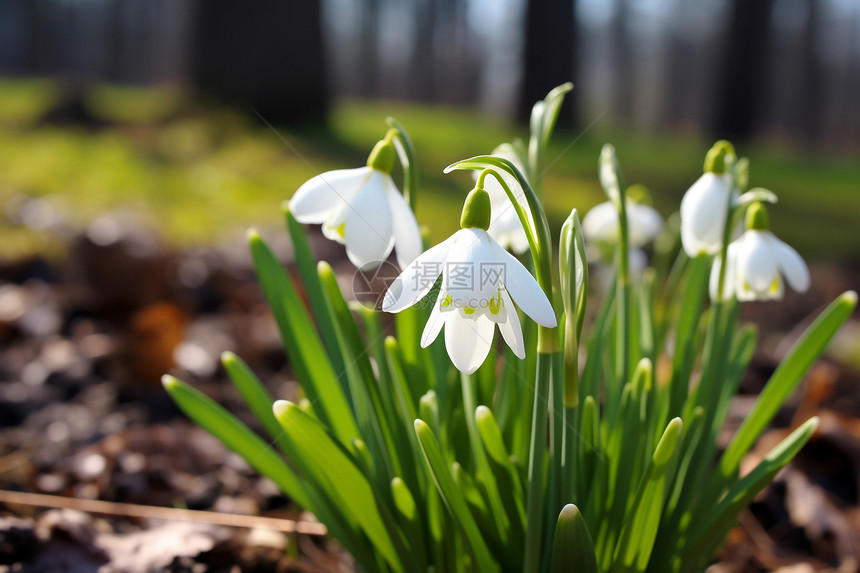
(526, 291)
(417, 278)
(499, 201)
(507, 230)
(731, 277)
(644, 222)
(435, 322)
(703, 214)
(368, 230)
(498, 197)
(407, 236)
(314, 201)
(601, 223)
(638, 261)
(791, 264)
(519, 241)
(714, 281)
(473, 269)
(731, 286)
(756, 262)
(333, 227)
(511, 330)
(468, 341)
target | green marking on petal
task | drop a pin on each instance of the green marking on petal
(341, 230)
(468, 310)
(774, 286)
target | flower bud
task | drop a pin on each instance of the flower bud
(638, 193)
(477, 209)
(719, 156)
(757, 218)
(383, 155)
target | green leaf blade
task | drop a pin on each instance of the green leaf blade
(786, 378)
(572, 548)
(453, 498)
(307, 354)
(213, 418)
(324, 462)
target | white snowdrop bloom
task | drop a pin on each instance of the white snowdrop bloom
(363, 210)
(705, 205)
(604, 269)
(601, 223)
(481, 281)
(757, 263)
(505, 226)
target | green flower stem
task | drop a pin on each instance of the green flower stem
(714, 357)
(537, 453)
(622, 347)
(611, 180)
(482, 466)
(556, 497)
(706, 395)
(406, 154)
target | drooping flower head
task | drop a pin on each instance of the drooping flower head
(757, 263)
(643, 221)
(705, 205)
(480, 283)
(362, 209)
(601, 229)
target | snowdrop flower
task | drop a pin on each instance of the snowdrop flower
(705, 206)
(362, 209)
(505, 226)
(480, 282)
(604, 269)
(643, 221)
(757, 263)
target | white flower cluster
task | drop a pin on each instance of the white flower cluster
(757, 261)
(363, 209)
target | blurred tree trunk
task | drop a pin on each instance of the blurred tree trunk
(456, 73)
(850, 110)
(742, 70)
(674, 82)
(812, 75)
(549, 54)
(268, 56)
(368, 49)
(624, 96)
(422, 64)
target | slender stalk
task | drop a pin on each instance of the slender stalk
(713, 359)
(555, 495)
(707, 393)
(622, 347)
(537, 453)
(482, 466)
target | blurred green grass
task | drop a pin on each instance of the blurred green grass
(198, 174)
